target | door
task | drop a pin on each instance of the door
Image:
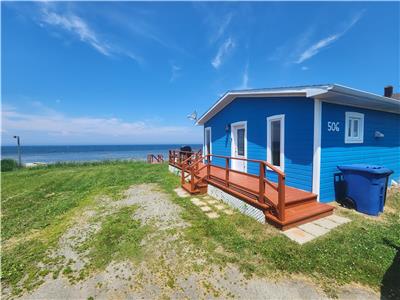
(239, 146)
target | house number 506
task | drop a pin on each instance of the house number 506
(333, 126)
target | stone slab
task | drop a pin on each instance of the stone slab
(181, 192)
(205, 208)
(197, 202)
(220, 206)
(212, 215)
(314, 229)
(338, 219)
(228, 212)
(298, 235)
(212, 201)
(324, 222)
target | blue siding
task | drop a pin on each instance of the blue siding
(299, 116)
(382, 151)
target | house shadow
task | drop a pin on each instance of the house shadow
(390, 285)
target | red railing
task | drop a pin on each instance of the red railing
(191, 167)
(153, 159)
(177, 157)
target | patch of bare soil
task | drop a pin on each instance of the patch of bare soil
(171, 268)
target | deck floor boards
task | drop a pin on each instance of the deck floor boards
(292, 195)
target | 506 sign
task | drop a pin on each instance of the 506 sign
(333, 126)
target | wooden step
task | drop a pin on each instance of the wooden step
(302, 200)
(300, 214)
(200, 188)
(187, 187)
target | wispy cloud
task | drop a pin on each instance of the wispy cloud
(79, 27)
(36, 126)
(141, 25)
(223, 50)
(316, 47)
(245, 78)
(175, 72)
(222, 27)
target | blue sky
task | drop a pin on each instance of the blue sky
(129, 73)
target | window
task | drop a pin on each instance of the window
(207, 141)
(240, 142)
(354, 128)
(275, 140)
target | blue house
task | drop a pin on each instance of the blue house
(305, 131)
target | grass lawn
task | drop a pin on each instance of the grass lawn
(38, 206)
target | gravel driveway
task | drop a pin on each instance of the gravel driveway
(167, 270)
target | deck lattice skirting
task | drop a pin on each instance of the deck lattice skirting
(232, 201)
(174, 170)
(177, 171)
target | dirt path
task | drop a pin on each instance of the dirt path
(167, 270)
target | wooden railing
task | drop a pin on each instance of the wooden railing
(152, 159)
(177, 157)
(191, 167)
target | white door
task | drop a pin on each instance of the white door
(239, 146)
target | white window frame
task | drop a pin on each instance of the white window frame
(351, 139)
(282, 153)
(205, 141)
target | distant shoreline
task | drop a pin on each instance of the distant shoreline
(88, 153)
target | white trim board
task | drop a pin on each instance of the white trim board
(316, 177)
(282, 153)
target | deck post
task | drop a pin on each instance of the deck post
(191, 179)
(227, 172)
(183, 174)
(281, 197)
(261, 183)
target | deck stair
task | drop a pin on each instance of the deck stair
(282, 205)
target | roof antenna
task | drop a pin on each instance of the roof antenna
(192, 116)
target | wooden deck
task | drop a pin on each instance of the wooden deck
(283, 206)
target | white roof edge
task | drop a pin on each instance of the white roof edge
(317, 91)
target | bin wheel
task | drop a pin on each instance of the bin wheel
(349, 203)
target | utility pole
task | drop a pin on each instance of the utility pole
(19, 150)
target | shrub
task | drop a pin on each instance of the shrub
(8, 164)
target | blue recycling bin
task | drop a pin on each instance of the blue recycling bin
(366, 186)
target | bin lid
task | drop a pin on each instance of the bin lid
(373, 169)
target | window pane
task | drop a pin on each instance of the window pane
(355, 128)
(208, 142)
(350, 125)
(240, 141)
(276, 143)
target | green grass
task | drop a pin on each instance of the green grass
(361, 251)
(38, 205)
(118, 239)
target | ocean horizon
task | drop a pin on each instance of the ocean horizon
(85, 153)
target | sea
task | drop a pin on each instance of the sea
(85, 153)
